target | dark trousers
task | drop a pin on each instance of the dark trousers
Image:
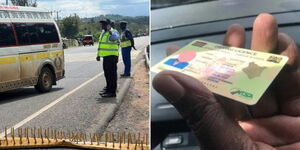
(110, 72)
(126, 59)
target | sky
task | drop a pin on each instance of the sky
(92, 8)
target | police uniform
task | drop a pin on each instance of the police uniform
(126, 44)
(108, 49)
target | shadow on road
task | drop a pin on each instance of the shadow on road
(106, 100)
(22, 93)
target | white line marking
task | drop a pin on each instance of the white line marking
(50, 105)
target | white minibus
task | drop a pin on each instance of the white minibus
(31, 52)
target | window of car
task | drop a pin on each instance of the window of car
(88, 38)
(6, 35)
(47, 33)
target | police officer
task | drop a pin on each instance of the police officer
(108, 49)
(126, 43)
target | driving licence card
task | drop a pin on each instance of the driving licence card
(239, 74)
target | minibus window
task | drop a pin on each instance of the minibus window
(22, 33)
(33, 34)
(47, 33)
(6, 35)
(39, 33)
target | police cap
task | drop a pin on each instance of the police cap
(123, 23)
(105, 21)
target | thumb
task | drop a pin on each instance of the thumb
(205, 116)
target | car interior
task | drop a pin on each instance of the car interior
(205, 21)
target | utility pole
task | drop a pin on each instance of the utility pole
(57, 15)
(76, 18)
(6, 2)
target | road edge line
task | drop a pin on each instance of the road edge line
(48, 106)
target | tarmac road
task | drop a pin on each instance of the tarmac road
(73, 104)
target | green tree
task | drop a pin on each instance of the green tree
(70, 26)
(24, 3)
(137, 25)
(96, 36)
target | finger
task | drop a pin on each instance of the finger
(234, 109)
(289, 147)
(235, 36)
(288, 82)
(266, 106)
(172, 49)
(205, 116)
(264, 38)
(288, 47)
(289, 94)
(275, 131)
(264, 35)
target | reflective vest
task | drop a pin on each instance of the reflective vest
(125, 42)
(106, 46)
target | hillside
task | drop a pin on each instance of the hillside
(139, 19)
(75, 27)
(137, 25)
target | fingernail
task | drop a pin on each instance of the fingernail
(168, 87)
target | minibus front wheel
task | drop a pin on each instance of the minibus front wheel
(45, 80)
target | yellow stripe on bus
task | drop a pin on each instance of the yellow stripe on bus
(8, 60)
(57, 54)
(24, 58)
(30, 57)
(43, 55)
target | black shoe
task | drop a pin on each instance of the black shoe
(107, 95)
(102, 92)
(125, 75)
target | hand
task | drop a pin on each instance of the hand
(222, 124)
(98, 58)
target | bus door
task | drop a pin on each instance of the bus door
(26, 51)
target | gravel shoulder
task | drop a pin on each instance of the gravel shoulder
(133, 114)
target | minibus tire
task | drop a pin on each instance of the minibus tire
(45, 80)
